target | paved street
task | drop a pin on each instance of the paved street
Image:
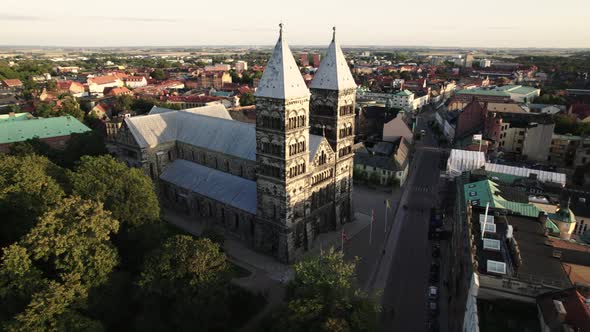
(407, 282)
(403, 274)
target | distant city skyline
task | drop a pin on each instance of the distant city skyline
(111, 23)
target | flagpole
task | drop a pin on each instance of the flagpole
(385, 222)
(342, 241)
(371, 228)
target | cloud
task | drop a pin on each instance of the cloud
(133, 19)
(11, 17)
(507, 27)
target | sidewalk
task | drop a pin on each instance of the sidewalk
(251, 260)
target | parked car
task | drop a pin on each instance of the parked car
(433, 292)
(434, 266)
(436, 252)
(432, 308)
(433, 277)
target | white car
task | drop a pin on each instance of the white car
(433, 292)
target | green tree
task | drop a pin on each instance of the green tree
(31, 146)
(45, 110)
(123, 103)
(127, 192)
(185, 285)
(51, 85)
(30, 89)
(27, 190)
(247, 99)
(74, 237)
(158, 74)
(322, 297)
(60, 259)
(70, 106)
(90, 143)
(13, 109)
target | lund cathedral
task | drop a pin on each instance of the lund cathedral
(276, 184)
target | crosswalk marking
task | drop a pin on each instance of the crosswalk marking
(422, 189)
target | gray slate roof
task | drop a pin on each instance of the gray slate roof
(217, 110)
(216, 134)
(230, 137)
(220, 186)
(333, 73)
(281, 78)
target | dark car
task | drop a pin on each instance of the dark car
(434, 266)
(436, 252)
(433, 277)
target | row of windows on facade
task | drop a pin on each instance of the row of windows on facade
(201, 157)
(346, 110)
(296, 170)
(276, 123)
(296, 148)
(327, 110)
(345, 132)
(207, 208)
(275, 172)
(323, 176)
(323, 158)
(345, 151)
(272, 148)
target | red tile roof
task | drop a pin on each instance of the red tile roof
(11, 83)
(100, 80)
(118, 91)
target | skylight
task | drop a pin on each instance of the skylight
(496, 267)
(490, 219)
(491, 244)
(490, 228)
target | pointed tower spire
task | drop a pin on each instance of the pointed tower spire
(333, 73)
(281, 78)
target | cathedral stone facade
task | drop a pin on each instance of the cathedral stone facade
(277, 184)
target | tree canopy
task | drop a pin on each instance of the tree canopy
(27, 190)
(184, 277)
(45, 277)
(247, 99)
(322, 297)
(127, 193)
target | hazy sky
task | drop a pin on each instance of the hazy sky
(491, 23)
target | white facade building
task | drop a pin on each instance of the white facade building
(241, 65)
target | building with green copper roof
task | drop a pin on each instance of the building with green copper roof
(54, 131)
(483, 192)
(14, 117)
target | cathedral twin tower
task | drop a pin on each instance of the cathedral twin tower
(304, 151)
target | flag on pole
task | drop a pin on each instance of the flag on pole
(344, 236)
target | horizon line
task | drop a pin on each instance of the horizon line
(298, 46)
